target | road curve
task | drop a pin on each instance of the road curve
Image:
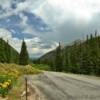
(60, 86)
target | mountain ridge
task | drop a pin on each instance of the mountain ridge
(80, 57)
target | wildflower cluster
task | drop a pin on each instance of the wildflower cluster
(5, 86)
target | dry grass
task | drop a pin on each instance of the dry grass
(17, 70)
(17, 90)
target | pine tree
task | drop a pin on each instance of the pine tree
(95, 33)
(91, 36)
(87, 38)
(2, 51)
(66, 60)
(24, 57)
(8, 52)
(58, 59)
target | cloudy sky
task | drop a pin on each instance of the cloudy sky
(43, 23)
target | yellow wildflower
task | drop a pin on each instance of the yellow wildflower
(7, 83)
(4, 85)
(0, 84)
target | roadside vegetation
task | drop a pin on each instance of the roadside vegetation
(81, 57)
(10, 71)
(9, 79)
(42, 67)
(5, 84)
(17, 70)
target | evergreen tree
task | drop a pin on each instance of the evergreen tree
(66, 60)
(87, 38)
(85, 67)
(91, 36)
(95, 33)
(2, 50)
(58, 59)
(24, 57)
(81, 57)
(7, 52)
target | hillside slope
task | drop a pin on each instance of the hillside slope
(80, 57)
(17, 70)
(7, 53)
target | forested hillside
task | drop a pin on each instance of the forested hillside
(7, 53)
(80, 57)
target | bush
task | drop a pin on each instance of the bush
(41, 67)
(17, 70)
(6, 83)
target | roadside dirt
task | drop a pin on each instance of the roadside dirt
(32, 93)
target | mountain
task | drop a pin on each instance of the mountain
(47, 58)
(80, 57)
(7, 53)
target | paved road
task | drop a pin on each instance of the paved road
(60, 86)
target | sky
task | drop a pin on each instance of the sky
(44, 23)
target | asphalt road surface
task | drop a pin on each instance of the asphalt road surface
(60, 86)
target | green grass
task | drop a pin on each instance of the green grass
(6, 83)
(17, 90)
(41, 67)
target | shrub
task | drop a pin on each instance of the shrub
(6, 83)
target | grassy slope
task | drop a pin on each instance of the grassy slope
(37, 68)
(41, 67)
(17, 71)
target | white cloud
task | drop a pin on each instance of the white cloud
(5, 3)
(57, 11)
(24, 19)
(76, 13)
(54, 10)
(29, 5)
(77, 7)
(5, 34)
(33, 44)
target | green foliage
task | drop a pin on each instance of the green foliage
(6, 83)
(17, 70)
(13, 72)
(58, 59)
(24, 57)
(7, 53)
(85, 56)
(41, 67)
(80, 57)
